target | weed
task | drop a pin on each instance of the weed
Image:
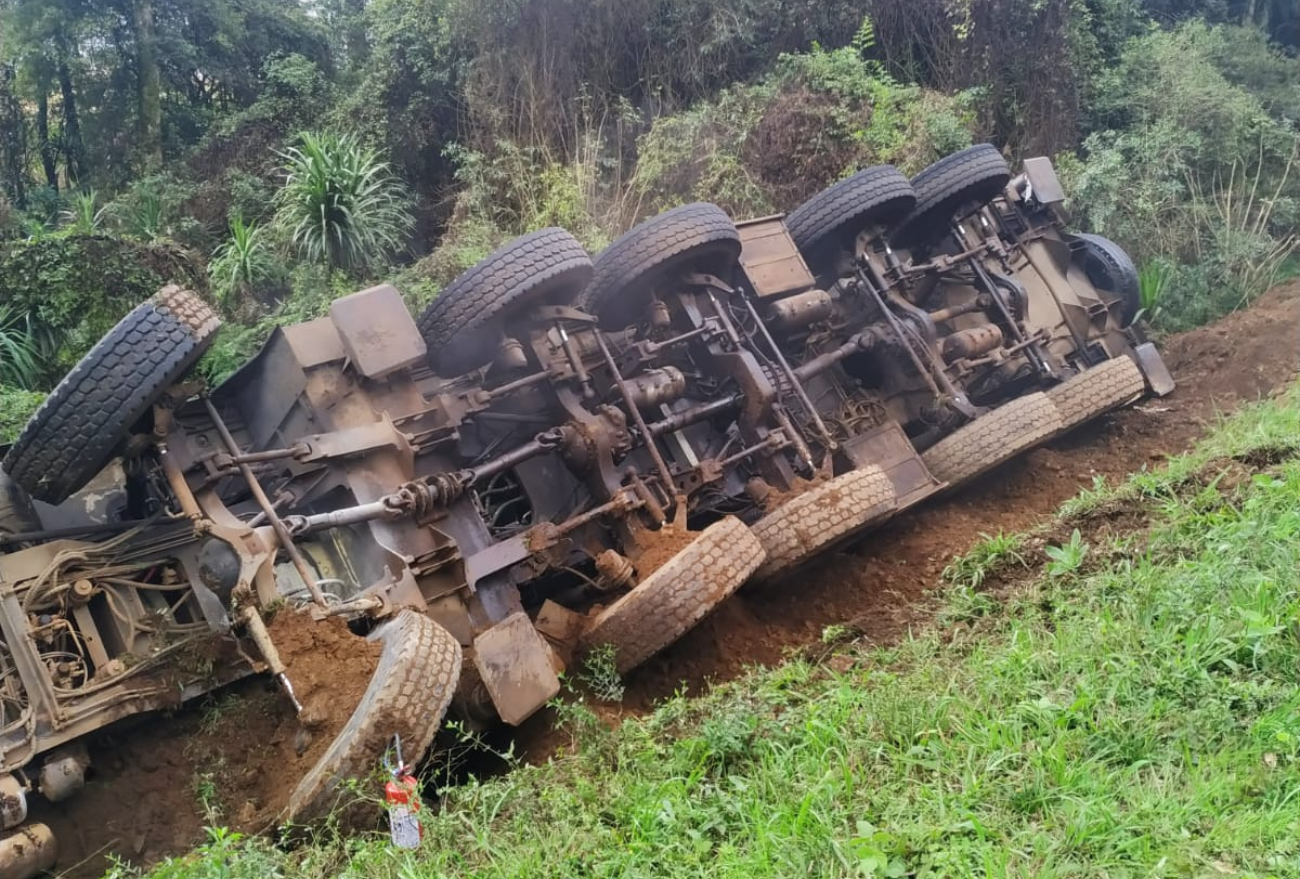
(1068, 557)
(205, 792)
(599, 673)
(992, 554)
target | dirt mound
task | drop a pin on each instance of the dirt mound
(232, 760)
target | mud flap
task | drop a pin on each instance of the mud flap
(516, 667)
(1153, 367)
(888, 448)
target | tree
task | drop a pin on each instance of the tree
(150, 84)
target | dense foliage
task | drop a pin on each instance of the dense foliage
(299, 148)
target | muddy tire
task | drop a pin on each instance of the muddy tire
(1097, 390)
(462, 326)
(879, 196)
(78, 428)
(993, 438)
(820, 518)
(696, 237)
(418, 670)
(668, 603)
(1111, 269)
(956, 184)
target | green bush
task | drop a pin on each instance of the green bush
(245, 266)
(16, 406)
(341, 205)
(1193, 169)
(75, 287)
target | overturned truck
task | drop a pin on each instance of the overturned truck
(559, 455)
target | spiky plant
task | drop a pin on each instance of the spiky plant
(84, 214)
(341, 203)
(22, 352)
(243, 262)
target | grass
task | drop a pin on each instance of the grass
(1133, 711)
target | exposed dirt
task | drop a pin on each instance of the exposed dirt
(873, 584)
(155, 782)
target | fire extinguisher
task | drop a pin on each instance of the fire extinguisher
(402, 794)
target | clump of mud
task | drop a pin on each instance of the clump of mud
(231, 759)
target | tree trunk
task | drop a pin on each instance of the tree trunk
(14, 137)
(358, 41)
(48, 151)
(150, 79)
(72, 148)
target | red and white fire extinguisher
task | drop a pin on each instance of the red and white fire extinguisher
(402, 794)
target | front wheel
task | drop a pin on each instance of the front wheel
(463, 325)
(696, 237)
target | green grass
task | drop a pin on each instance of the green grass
(1133, 711)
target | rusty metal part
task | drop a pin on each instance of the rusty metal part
(516, 666)
(297, 450)
(259, 495)
(972, 342)
(547, 534)
(979, 303)
(863, 341)
(510, 355)
(377, 332)
(695, 414)
(795, 385)
(770, 258)
(616, 572)
(801, 310)
(257, 630)
(179, 487)
(660, 318)
(28, 852)
(657, 387)
(930, 371)
(660, 465)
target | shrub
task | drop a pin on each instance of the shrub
(75, 287)
(1193, 170)
(16, 406)
(245, 265)
(341, 204)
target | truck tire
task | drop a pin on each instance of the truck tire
(993, 438)
(968, 179)
(874, 196)
(408, 696)
(668, 603)
(1097, 390)
(1109, 268)
(78, 428)
(462, 325)
(694, 237)
(821, 517)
